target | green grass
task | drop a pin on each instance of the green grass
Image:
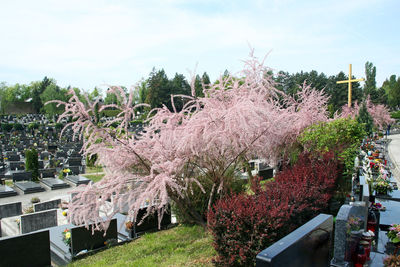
(94, 177)
(94, 169)
(180, 246)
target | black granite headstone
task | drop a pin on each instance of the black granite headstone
(31, 250)
(83, 239)
(306, 246)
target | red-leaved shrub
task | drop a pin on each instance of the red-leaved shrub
(243, 225)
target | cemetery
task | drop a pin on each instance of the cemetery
(283, 186)
(59, 165)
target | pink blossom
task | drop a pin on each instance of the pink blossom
(238, 118)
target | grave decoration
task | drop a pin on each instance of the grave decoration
(394, 233)
(67, 237)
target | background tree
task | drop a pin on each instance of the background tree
(370, 82)
(365, 118)
(52, 92)
(37, 91)
(391, 87)
(32, 163)
(159, 90)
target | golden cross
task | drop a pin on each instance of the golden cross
(350, 81)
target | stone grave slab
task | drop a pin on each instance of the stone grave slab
(54, 183)
(340, 252)
(47, 205)
(47, 173)
(392, 213)
(77, 179)
(16, 165)
(84, 239)
(394, 195)
(61, 154)
(6, 191)
(81, 239)
(21, 176)
(14, 157)
(31, 249)
(29, 187)
(75, 170)
(308, 245)
(38, 220)
(76, 161)
(10, 209)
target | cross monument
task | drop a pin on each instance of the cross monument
(349, 81)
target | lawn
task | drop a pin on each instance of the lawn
(180, 246)
(94, 177)
(94, 169)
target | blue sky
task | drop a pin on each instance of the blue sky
(92, 43)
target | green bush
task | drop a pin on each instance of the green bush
(342, 137)
(18, 127)
(109, 113)
(197, 200)
(365, 118)
(395, 115)
(59, 126)
(32, 163)
(33, 125)
(90, 161)
(6, 127)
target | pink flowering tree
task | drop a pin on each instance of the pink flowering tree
(239, 118)
(379, 113)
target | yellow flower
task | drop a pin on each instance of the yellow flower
(68, 235)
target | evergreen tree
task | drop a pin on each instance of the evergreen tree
(370, 82)
(36, 100)
(365, 118)
(159, 91)
(32, 163)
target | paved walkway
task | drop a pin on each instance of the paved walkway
(394, 155)
(43, 196)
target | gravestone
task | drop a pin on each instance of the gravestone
(75, 170)
(61, 154)
(84, 239)
(16, 165)
(26, 250)
(77, 179)
(54, 183)
(342, 236)
(308, 245)
(21, 176)
(47, 205)
(10, 209)
(44, 155)
(6, 191)
(47, 173)
(77, 161)
(38, 220)
(14, 158)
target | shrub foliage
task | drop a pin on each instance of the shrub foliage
(243, 225)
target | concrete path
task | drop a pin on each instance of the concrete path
(43, 196)
(394, 155)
